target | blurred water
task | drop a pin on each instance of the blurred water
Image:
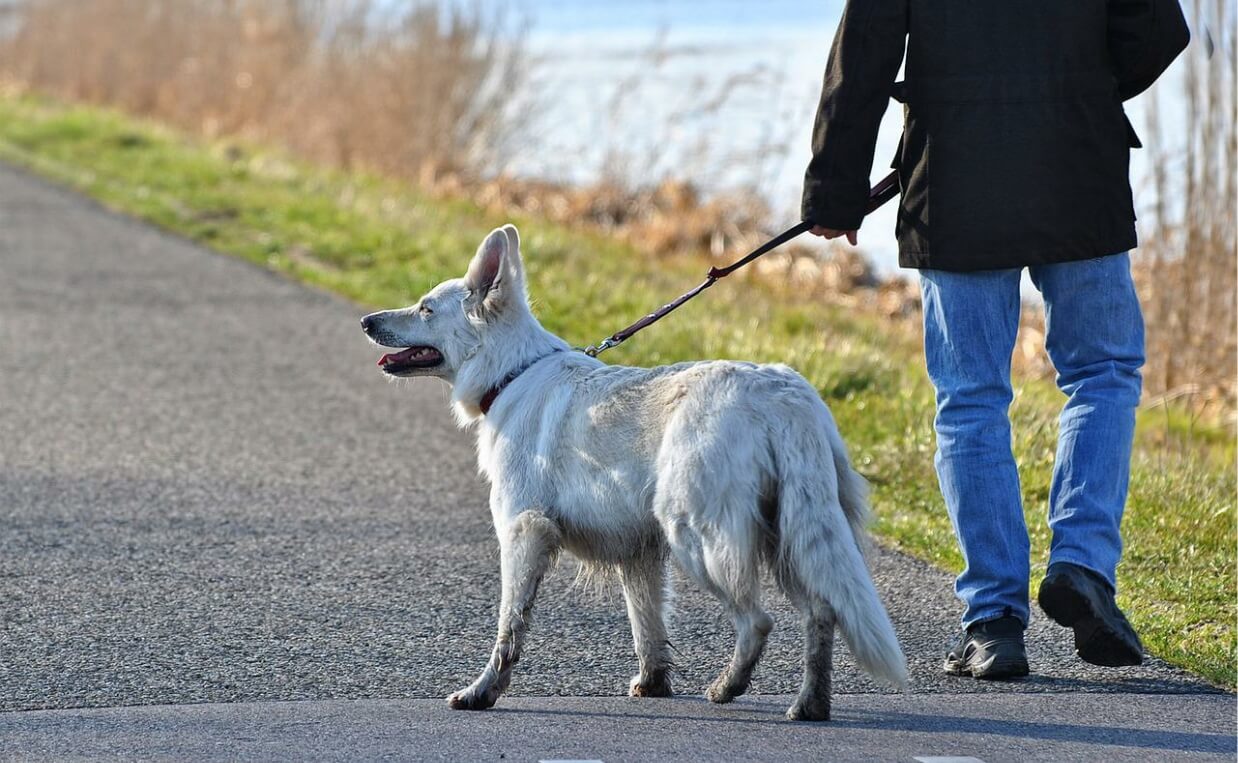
(618, 82)
(632, 78)
(628, 85)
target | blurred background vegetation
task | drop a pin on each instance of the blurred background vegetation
(447, 95)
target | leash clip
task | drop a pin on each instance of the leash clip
(594, 350)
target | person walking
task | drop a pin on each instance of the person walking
(1014, 154)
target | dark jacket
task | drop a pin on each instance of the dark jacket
(1015, 149)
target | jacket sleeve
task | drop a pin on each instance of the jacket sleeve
(859, 76)
(1145, 36)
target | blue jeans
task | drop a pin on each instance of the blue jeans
(1094, 336)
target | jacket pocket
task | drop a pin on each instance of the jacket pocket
(897, 161)
(911, 161)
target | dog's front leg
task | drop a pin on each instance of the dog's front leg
(527, 549)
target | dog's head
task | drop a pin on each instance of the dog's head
(449, 326)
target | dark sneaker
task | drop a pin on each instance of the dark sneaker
(992, 650)
(1081, 599)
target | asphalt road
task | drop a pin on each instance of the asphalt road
(209, 494)
(865, 727)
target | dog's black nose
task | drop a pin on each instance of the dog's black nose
(367, 323)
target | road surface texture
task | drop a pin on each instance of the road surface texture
(209, 494)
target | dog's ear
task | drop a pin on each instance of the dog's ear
(487, 265)
(496, 275)
(513, 263)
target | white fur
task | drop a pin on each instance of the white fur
(724, 466)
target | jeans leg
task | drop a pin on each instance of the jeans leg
(1095, 337)
(970, 323)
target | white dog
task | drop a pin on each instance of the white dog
(722, 465)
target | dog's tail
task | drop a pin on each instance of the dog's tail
(824, 548)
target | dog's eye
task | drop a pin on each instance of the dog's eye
(426, 312)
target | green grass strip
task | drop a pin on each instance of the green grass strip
(382, 244)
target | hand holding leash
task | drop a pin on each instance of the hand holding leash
(832, 233)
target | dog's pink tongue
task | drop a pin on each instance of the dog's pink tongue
(395, 357)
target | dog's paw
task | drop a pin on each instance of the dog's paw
(726, 687)
(804, 710)
(721, 692)
(473, 699)
(657, 686)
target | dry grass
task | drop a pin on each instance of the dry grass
(431, 94)
(1187, 272)
(414, 93)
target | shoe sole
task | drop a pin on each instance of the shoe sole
(1096, 641)
(991, 669)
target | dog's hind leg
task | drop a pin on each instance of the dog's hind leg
(644, 589)
(708, 499)
(732, 575)
(813, 702)
(752, 626)
(527, 550)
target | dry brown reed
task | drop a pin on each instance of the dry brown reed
(416, 93)
(431, 94)
(1187, 270)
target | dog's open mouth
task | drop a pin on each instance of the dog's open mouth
(409, 361)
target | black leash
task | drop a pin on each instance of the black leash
(881, 193)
